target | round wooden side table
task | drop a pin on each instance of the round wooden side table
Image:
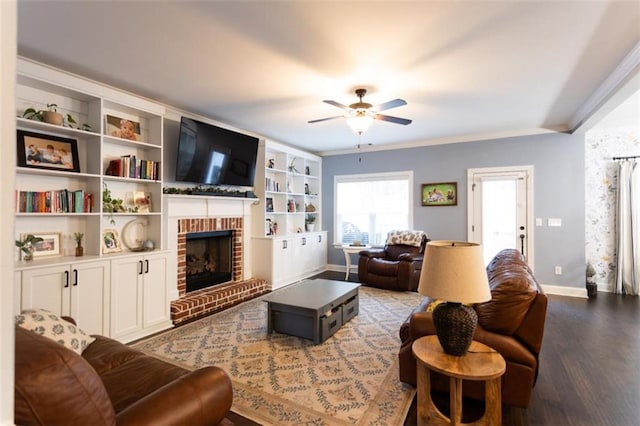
(481, 363)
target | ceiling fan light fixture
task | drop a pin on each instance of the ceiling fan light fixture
(359, 121)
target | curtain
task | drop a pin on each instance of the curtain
(628, 229)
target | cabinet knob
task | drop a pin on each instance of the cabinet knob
(284, 244)
(141, 270)
(75, 277)
(304, 241)
(146, 262)
(66, 279)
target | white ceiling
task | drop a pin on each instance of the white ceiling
(468, 70)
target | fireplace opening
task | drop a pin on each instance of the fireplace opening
(208, 259)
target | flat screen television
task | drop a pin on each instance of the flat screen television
(211, 155)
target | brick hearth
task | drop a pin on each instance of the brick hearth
(209, 300)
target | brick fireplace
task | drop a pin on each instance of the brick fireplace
(199, 303)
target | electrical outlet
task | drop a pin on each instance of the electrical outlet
(558, 270)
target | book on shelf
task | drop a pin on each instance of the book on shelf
(272, 185)
(129, 166)
(57, 201)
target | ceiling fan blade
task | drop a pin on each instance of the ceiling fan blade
(336, 104)
(390, 104)
(325, 119)
(397, 120)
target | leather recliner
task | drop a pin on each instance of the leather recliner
(396, 266)
(512, 323)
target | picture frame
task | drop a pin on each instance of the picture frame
(439, 194)
(142, 200)
(111, 242)
(122, 128)
(50, 152)
(50, 245)
(269, 205)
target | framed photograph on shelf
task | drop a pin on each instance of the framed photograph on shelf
(111, 242)
(142, 200)
(49, 246)
(47, 152)
(440, 194)
(269, 205)
(122, 128)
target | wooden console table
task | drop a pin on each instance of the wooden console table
(481, 363)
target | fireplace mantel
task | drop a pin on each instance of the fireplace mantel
(178, 205)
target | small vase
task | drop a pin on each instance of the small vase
(27, 255)
(79, 251)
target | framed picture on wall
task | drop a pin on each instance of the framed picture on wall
(440, 194)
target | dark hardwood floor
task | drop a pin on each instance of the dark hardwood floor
(589, 365)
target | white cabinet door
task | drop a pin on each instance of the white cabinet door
(295, 259)
(315, 254)
(281, 268)
(89, 304)
(156, 304)
(126, 296)
(139, 297)
(46, 288)
(80, 291)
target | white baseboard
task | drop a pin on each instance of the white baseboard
(341, 268)
(565, 291)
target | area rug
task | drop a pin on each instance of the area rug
(351, 378)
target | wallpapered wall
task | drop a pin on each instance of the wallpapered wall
(601, 177)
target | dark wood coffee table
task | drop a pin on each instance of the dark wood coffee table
(312, 309)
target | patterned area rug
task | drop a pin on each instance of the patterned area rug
(351, 378)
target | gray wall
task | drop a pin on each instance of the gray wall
(558, 161)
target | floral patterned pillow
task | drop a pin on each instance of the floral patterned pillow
(50, 325)
(408, 238)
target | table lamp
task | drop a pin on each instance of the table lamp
(454, 272)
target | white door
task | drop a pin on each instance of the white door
(500, 209)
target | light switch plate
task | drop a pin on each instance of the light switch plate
(538, 221)
(554, 221)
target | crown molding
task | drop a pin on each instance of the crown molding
(620, 84)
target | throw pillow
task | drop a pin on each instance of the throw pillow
(408, 238)
(48, 324)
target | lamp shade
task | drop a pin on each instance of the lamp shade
(360, 121)
(454, 271)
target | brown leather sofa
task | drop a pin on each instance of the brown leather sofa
(111, 384)
(512, 323)
(394, 267)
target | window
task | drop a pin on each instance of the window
(368, 206)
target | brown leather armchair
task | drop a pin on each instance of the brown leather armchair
(396, 266)
(512, 323)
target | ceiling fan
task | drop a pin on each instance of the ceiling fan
(361, 114)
